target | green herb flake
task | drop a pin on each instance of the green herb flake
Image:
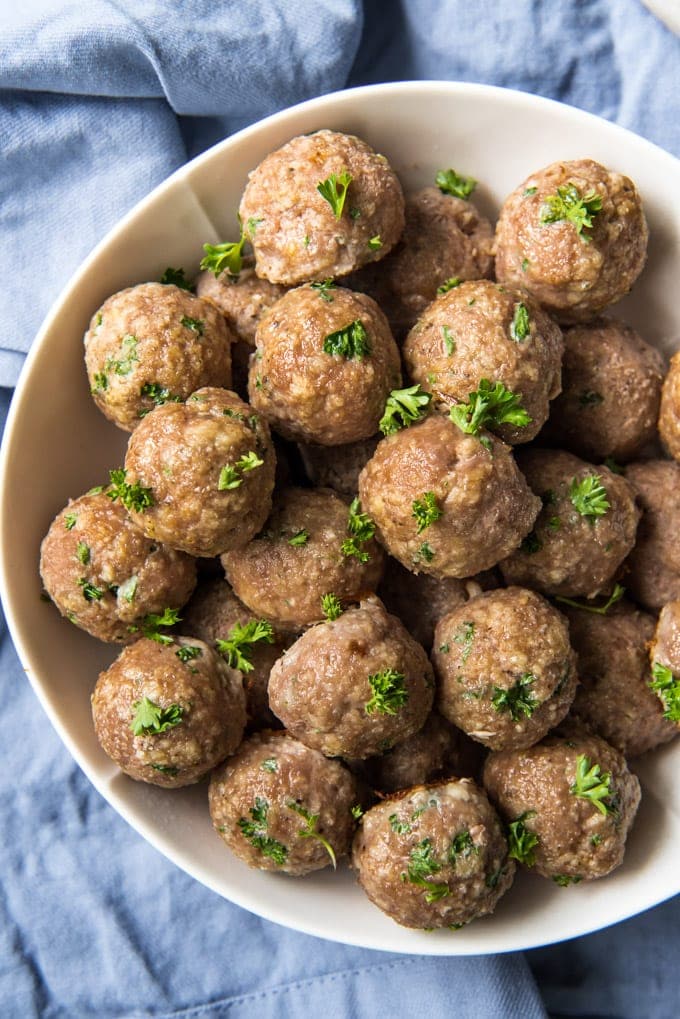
(151, 719)
(128, 356)
(349, 342)
(227, 256)
(522, 841)
(449, 284)
(399, 827)
(518, 700)
(237, 648)
(176, 278)
(403, 408)
(83, 553)
(158, 393)
(255, 831)
(334, 191)
(667, 688)
(529, 191)
(595, 840)
(589, 496)
(449, 342)
(299, 538)
(525, 264)
(90, 591)
(461, 847)
(464, 637)
(423, 864)
(567, 204)
(153, 623)
(324, 289)
(564, 880)
(452, 183)
(188, 652)
(591, 784)
(375, 244)
(520, 327)
(389, 692)
(360, 528)
(134, 497)
(101, 382)
(231, 475)
(70, 521)
(166, 769)
(269, 764)
(489, 406)
(355, 213)
(310, 829)
(331, 606)
(357, 811)
(600, 610)
(425, 553)
(426, 511)
(197, 325)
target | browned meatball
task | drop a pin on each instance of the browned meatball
(611, 386)
(321, 205)
(104, 575)
(324, 366)
(242, 299)
(282, 806)
(614, 699)
(199, 475)
(575, 801)
(153, 344)
(338, 468)
(477, 331)
(574, 236)
(438, 750)
(505, 669)
(653, 576)
(306, 550)
(446, 503)
(354, 686)
(216, 614)
(585, 530)
(420, 600)
(669, 417)
(168, 713)
(436, 856)
(665, 659)
(445, 238)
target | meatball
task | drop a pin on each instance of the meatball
(321, 206)
(340, 469)
(242, 299)
(665, 659)
(570, 802)
(669, 417)
(152, 344)
(654, 564)
(611, 386)
(438, 750)
(168, 713)
(478, 331)
(614, 699)
(420, 600)
(308, 549)
(445, 239)
(436, 856)
(354, 686)
(216, 614)
(574, 236)
(324, 366)
(505, 669)
(199, 475)
(446, 503)
(282, 806)
(104, 575)
(584, 531)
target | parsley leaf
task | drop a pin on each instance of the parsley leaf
(518, 699)
(449, 284)
(133, 497)
(231, 475)
(124, 364)
(423, 864)
(568, 204)
(425, 552)
(83, 553)
(426, 511)
(520, 327)
(90, 592)
(461, 847)
(334, 191)
(331, 606)
(464, 636)
(197, 325)
(188, 652)
(591, 784)
(403, 407)
(667, 688)
(601, 610)
(522, 842)
(375, 244)
(236, 648)
(389, 692)
(489, 406)
(563, 880)
(177, 278)
(452, 183)
(70, 521)
(361, 529)
(159, 394)
(310, 831)
(255, 831)
(151, 719)
(300, 538)
(228, 255)
(589, 496)
(349, 342)
(269, 764)
(152, 623)
(449, 342)
(324, 289)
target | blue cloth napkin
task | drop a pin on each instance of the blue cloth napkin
(98, 103)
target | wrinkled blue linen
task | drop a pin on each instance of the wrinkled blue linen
(99, 102)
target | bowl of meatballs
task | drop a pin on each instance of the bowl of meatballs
(351, 579)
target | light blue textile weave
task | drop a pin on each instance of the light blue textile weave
(99, 102)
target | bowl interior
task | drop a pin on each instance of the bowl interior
(57, 445)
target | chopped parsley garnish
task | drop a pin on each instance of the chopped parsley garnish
(375, 244)
(231, 475)
(355, 213)
(133, 497)
(197, 325)
(188, 652)
(255, 831)
(568, 204)
(101, 382)
(299, 538)
(237, 647)
(529, 191)
(518, 699)
(269, 764)
(589, 398)
(324, 289)
(403, 408)
(426, 511)
(152, 624)
(159, 394)
(589, 496)
(600, 610)
(150, 718)
(357, 811)
(399, 827)
(449, 342)
(124, 365)
(461, 847)
(70, 521)
(166, 769)
(389, 692)
(563, 880)
(128, 589)
(334, 191)
(520, 327)
(449, 284)
(83, 553)
(425, 553)
(667, 688)
(331, 606)
(591, 784)
(360, 528)
(177, 278)
(90, 592)
(489, 406)
(310, 830)
(423, 864)
(228, 255)
(452, 183)
(522, 842)
(349, 342)
(464, 637)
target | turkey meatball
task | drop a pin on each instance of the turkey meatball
(653, 576)
(436, 856)
(242, 299)
(199, 475)
(584, 532)
(338, 468)
(104, 575)
(505, 670)
(168, 713)
(665, 659)
(574, 236)
(152, 344)
(575, 800)
(312, 546)
(321, 206)
(477, 331)
(324, 366)
(446, 503)
(281, 806)
(669, 417)
(354, 686)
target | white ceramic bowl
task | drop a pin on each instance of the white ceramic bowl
(56, 434)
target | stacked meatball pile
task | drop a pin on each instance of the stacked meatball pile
(413, 510)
